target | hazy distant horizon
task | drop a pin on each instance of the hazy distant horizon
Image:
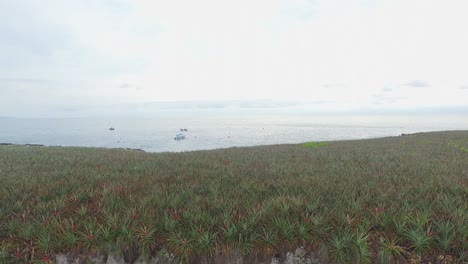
(84, 58)
(228, 108)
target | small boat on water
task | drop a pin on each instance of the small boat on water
(183, 129)
(179, 137)
(111, 128)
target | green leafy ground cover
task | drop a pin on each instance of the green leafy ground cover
(378, 200)
(315, 144)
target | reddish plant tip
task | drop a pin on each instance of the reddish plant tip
(46, 259)
(176, 216)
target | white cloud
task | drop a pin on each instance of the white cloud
(211, 49)
(416, 83)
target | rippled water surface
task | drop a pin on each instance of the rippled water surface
(157, 134)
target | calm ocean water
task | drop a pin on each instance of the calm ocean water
(156, 134)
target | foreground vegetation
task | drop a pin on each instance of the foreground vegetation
(378, 200)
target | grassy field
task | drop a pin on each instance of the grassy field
(363, 201)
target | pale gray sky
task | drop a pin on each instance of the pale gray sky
(347, 55)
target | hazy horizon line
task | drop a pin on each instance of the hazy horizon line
(230, 107)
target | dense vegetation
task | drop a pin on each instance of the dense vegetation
(378, 200)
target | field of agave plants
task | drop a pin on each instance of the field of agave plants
(382, 200)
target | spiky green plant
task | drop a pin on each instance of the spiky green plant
(400, 226)
(127, 232)
(248, 235)
(390, 250)
(231, 234)
(181, 246)
(90, 239)
(361, 243)
(70, 240)
(204, 241)
(146, 240)
(268, 240)
(420, 239)
(44, 242)
(11, 227)
(341, 248)
(445, 235)
(109, 236)
(303, 232)
(285, 228)
(28, 231)
(321, 231)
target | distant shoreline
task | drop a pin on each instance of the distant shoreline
(141, 150)
(42, 145)
(27, 145)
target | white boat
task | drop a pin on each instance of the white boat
(179, 137)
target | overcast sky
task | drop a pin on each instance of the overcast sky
(362, 54)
